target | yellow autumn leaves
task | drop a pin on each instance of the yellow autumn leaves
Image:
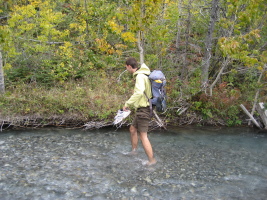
(125, 35)
(238, 48)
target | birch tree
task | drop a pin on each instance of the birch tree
(145, 13)
(140, 23)
(2, 81)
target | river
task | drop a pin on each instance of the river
(193, 163)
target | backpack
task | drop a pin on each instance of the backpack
(158, 82)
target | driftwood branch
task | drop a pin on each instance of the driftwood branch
(256, 96)
(158, 120)
(261, 110)
(250, 116)
(96, 125)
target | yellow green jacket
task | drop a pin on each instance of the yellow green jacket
(142, 86)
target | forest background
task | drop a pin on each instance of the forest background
(61, 62)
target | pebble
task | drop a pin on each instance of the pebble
(134, 190)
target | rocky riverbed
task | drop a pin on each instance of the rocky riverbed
(193, 163)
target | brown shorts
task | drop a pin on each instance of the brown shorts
(142, 119)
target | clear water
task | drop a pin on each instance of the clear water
(193, 163)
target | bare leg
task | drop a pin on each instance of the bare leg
(134, 138)
(148, 148)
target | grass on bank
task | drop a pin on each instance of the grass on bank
(86, 100)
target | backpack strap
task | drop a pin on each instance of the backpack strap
(150, 105)
(149, 100)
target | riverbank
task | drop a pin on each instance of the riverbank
(93, 103)
(78, 122)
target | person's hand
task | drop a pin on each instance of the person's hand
(125, 108)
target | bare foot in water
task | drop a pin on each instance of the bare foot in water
(132, 153)
(152, 162)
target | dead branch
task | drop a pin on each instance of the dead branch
(96, 125)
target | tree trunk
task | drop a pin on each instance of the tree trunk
(140, 47)
(184, 70)
(208, 44)
(86, 20)
(2, 81)
(178, 35)
(140, 41)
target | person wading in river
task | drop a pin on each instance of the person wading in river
(141, 104)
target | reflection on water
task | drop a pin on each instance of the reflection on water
(193, 163)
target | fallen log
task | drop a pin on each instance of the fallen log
(261, 110)
(250, 116)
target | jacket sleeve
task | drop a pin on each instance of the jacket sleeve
(138, 90)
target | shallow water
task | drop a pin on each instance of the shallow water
(193, 163)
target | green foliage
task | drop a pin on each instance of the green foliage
(232, 114)
(56, 45)
(223, 104)
(203, 108)
(243, 19)
(43, 32)
(70, 99)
